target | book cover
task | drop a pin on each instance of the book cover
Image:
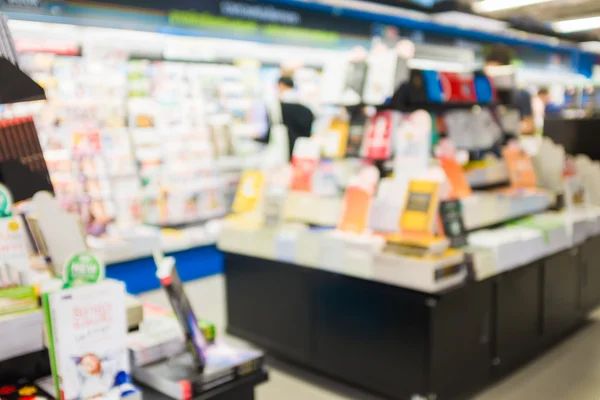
(420, 207)
(87, 327)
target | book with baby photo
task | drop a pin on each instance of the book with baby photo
(87, 327)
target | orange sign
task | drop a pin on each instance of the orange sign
(456, 177)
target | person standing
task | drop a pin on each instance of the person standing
(296, 118)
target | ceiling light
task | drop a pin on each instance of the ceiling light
(577, 25)
(488, 6)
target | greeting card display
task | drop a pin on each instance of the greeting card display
(87, 327)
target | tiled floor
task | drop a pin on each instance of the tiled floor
(571, 371)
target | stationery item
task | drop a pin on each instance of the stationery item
(304, 163)
(249, 192)
(357, 201)
(421, 207)
(452, 222)
(379, 135)
(87, 327)
(194, 338)
(520, 167)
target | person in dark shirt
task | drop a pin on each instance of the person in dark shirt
(297, 118)
(501, 55)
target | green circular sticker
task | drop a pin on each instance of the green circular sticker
(5, 202)
(83, 268)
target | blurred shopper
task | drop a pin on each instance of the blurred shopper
(550, 109)
(296, 118)
(501, 55)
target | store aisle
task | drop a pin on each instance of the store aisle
(571, 371)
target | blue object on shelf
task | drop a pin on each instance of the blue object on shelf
(140, 275)
(433, 87)
(483, 88)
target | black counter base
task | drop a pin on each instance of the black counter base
(398, 343)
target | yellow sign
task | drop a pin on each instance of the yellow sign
(250, 191)
(421, 207)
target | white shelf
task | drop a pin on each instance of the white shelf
(485, 209)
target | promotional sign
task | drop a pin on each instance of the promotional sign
(83, 268)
